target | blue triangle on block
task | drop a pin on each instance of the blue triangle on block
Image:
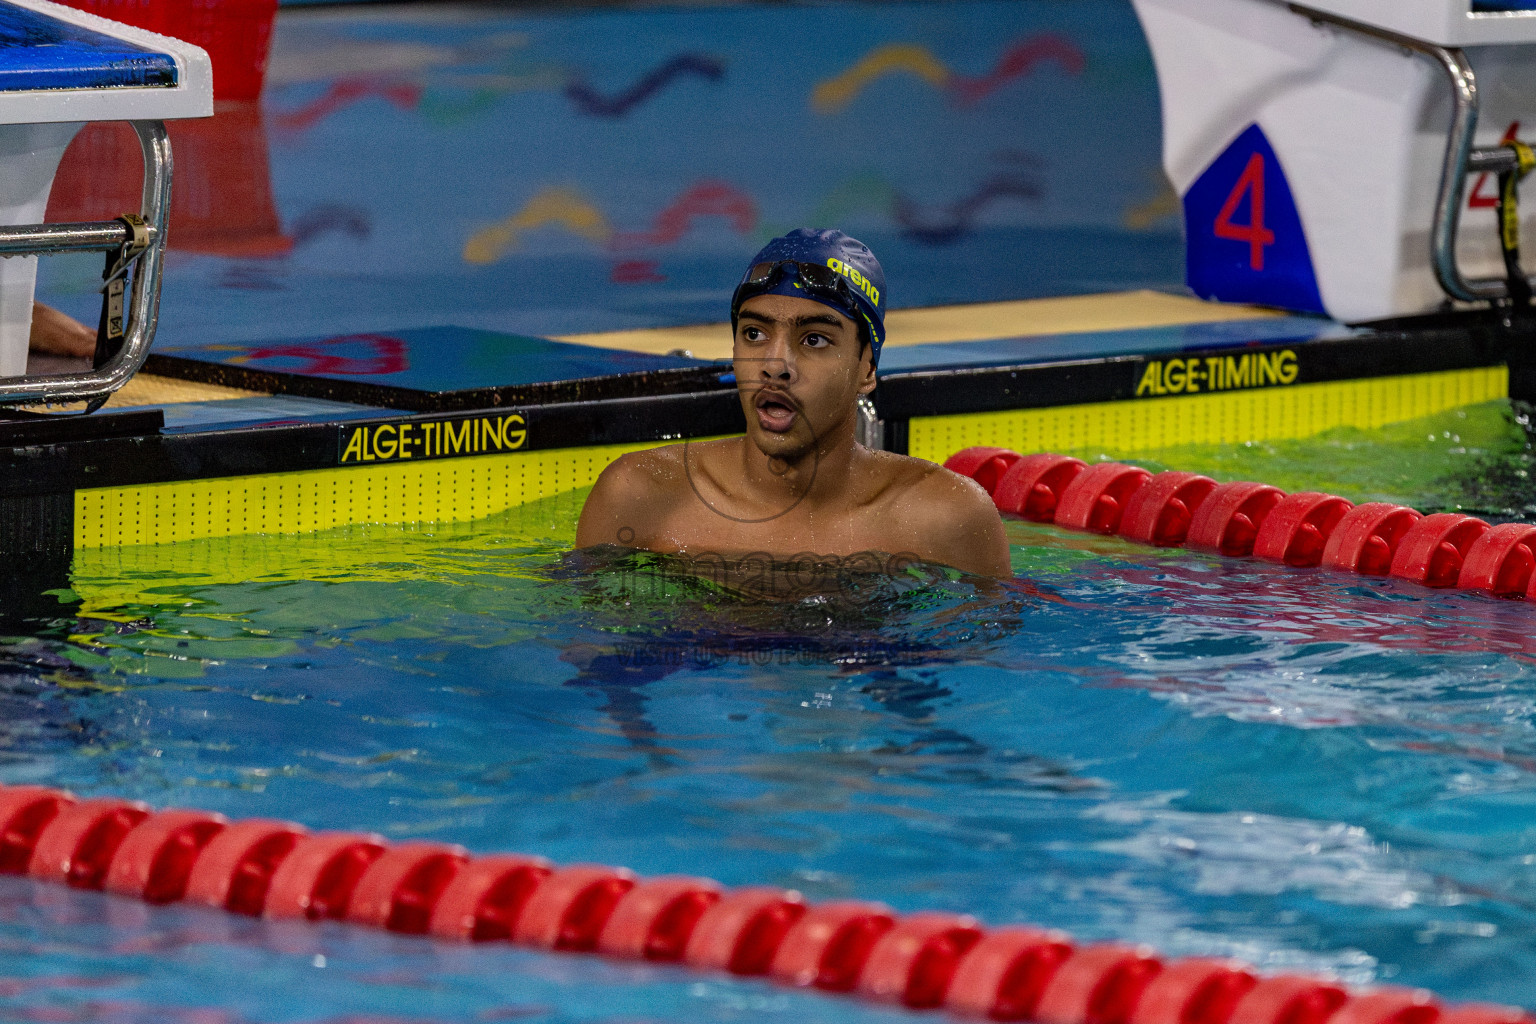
(1243, 237)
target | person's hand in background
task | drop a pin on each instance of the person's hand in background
(58, 334)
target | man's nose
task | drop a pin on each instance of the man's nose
(779, 362)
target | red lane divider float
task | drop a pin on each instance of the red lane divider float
(1095, 499)
(1368, 536)
(922, 961)
(1502, 562)
(1245, 519)
(1435, 548)
(1161, 512)
(985, 465)
(1229, 520)
(1030, 487)
(1298, 527)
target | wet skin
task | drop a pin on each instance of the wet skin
(797, 482)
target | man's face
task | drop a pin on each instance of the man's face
(800, 368)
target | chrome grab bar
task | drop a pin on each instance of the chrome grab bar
(1460, 157)
(41, 239)
(1492, 161)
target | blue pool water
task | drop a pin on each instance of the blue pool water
(1301, 769)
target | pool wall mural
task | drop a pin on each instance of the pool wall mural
(549, 175)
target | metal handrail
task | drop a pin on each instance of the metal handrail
(87, 236)
(38, 239)
(1460, 157)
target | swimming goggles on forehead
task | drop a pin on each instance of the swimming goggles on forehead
(814, 277)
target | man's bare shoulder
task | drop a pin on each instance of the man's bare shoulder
(637, 480)
(663, 468)
(902, 476)
(952, 515)
(642, 470)
(639, 486)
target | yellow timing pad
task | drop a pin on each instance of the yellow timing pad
(1221, 417)
(461, 489)
(435, 491)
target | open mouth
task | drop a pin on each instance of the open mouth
(774, 411)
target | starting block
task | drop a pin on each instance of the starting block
(1344, 156)
(62, 69)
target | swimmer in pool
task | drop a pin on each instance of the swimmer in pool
(808, 318)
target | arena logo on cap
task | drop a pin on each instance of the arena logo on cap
(859, 280)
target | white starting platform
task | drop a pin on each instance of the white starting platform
(1343, 156)
(61, 68)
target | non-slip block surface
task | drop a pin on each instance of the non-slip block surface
(1102, 344)
(42, 52)
(436, 368)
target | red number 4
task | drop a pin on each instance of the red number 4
(1254, 232)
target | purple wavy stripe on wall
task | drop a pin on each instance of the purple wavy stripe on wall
(948, 224)
(330, 218)
(589, 101)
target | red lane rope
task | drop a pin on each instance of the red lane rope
(923, 961)
(1245, 519)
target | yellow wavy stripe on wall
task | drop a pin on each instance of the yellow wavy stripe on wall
(562, 206)
(834, 94)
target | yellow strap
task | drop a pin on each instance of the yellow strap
(1509, 225)
(1524, 154)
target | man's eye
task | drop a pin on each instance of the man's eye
(815, 341)
(751, 333)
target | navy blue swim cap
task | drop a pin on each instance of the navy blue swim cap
(847, 256)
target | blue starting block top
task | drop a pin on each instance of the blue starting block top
(1050, 348)
(433, 369)
(38, 51)
(432, 359)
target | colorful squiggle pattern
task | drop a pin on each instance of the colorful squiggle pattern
(409, 95)
(703, 199)
(589, 101)
(330, 218)
(636, 272)
(1017, 61)
(927, 224)
(568, 208)
(947, 224)
(836, 93)
(933, 224)
(344, 93)
(564, 207)
(353, 355)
